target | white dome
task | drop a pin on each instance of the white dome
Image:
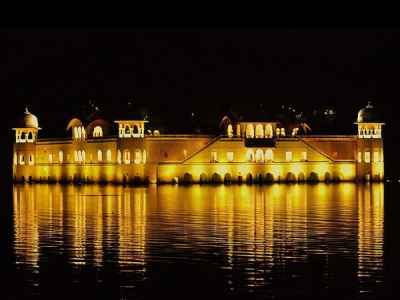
(30, 120)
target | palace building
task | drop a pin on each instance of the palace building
(248, 151)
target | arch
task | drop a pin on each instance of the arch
(290, 177)
(227, 178)
(313, 177)
(187, 178)
(283, 131)
(216, 178)
(97, 131)
(250, 131)
(238, 133)
(229, 130)
(138, 156)
(144, 156)
(79, 131)
(249, 179)
(119, 156)
(127, 130)
(23, 136)
(269, 155)
(109, 155)
(127, 156)
(259, 131)
(203, 178)
(301, 177)
(259, 179)
(259, 155)
(327, 177)
(269, 178)
(99, 155)
(30, 136)
(269, 132)
(135, 129)
(30, 162)
(60, 156)
(250, 155)
(376, 177)
(337, 177)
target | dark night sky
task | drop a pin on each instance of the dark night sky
(179, 71)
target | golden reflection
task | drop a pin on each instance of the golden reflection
(256, 230)
(370, 231)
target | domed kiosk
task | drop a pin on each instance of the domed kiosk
(367, 114)
(28, 126)
(30, 120)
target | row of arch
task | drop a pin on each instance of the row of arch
(369, 132)
(250, 178)
(24, 136)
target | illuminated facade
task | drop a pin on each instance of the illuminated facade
(252, 152)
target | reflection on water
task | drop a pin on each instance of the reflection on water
(254, 239)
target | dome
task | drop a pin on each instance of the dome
(367, 115)
(30, 120)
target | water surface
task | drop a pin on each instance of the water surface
(273, 241)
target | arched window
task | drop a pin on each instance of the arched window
(259, 131)
(50, 158)
(259, 155)
(229, 156)
(238, 130)
(99, 155)
(30, 136)
(127, 131)
(23, 137)
(138, 156)
(60, 156)
(278, 131)
(269, 155)
(268, 131)
(108, 155)
(75, 134)
(97, 131)
(21, 159)
(289, 156)
(135, 130)
(229, 130)
(249, 131)
(283, 131)
(83, 133)
(76, 155)
(119, 156)
(79, 155)
(250, 155)
(83, 155)
(144, 156)
(15, 158)
(31, 161)
(127, 156)
(79, 132)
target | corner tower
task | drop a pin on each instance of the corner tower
(25, 147)
(370, 161)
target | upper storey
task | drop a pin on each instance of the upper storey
(256, 128)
